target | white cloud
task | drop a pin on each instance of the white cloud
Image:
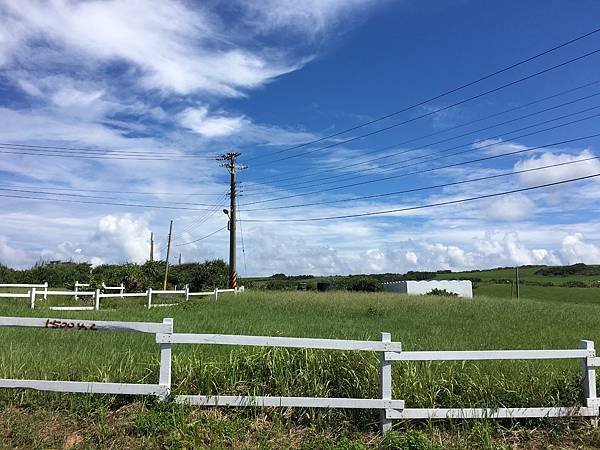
(511, 208)
(198, 120)
(10, 255)
(554, 174)
(174, 47)
(574, 249)
(126, 236)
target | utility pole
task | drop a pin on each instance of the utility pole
(168, 253)
(230, 165)
(180, 259)
(151, 246)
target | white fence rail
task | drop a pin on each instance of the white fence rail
(43, 286)
(120, 289)
(160, 390)
(33, 293)
(389, 351)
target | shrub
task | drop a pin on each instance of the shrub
(364, 284)
(411, 440)
(441, 292)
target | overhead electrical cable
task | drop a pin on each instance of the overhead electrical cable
(202, 238)
(392, 166)
(387, 147)
(61, 154)
(28, 191)
(437, 186)
(430, 205)
(20, 185)
(419, 172)
(100, 150)
(438, 110)
(443, 94)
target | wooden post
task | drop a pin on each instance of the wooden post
(46, 290)
(385, 385)
(149, 295)
(32, 298)
(165, 361)
(216, 293)
(76, 289)
(187, 292)
(589, 380)
(122, 290)
(97, 300)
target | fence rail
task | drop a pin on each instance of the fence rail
(33, 293)
(390, 408)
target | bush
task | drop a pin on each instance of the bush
(364, 284)
(441, 293)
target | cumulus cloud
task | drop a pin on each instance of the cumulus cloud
(574, 249)
(126, 236)
(12, 256)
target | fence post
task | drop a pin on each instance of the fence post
(97, 300)
(385, 385)
(165, 361)
(122, 290)
(589, 380)
(149, 295)
(216, 293)
(46, 290)
(76, 289)
(32, 298)
(187, 292)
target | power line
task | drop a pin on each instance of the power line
(57, 154)
(430, 205)
(94, 196)
(387, 147)
(443, 94)
(438, 110)
(437, 186)
(202, 238)
(360, 183)
(96, 150)
(130, 205)
(391, 167)
(203, 218)
(109, 191)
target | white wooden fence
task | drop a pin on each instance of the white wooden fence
(389, 351)
(120, 288)
(24, 295)
(160, 390)
(97, 295)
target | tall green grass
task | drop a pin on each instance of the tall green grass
(420, 323)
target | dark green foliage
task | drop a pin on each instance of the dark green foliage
(135, 277)
(575, 283)
(7, 275)
(575, 269)
(209, 275)
(56, 273)
(364, 284)
(442, 293)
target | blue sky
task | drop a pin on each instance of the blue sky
(182, 81)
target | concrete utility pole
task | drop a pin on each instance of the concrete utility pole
(168, 253)
(180, 259)
(233, 168)
(151, 246)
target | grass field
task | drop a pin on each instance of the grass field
(420, 323)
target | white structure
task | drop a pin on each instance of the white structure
(463, 288)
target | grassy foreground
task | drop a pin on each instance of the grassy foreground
(44, 420)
